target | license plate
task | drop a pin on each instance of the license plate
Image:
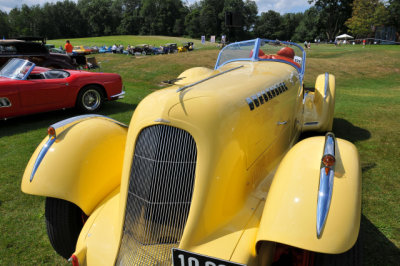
(185, 258)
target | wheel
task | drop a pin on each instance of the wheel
(89, 99)
(64, 222)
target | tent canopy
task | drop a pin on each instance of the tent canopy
(344, 37)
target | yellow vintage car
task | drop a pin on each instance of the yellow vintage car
(208, 172)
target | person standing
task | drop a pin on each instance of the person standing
(68, 47)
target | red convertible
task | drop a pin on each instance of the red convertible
(26, 89)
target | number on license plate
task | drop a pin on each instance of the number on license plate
(185, 258)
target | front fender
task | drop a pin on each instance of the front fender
(81, 162)
(290, 211)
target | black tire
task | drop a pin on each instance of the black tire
(90, 99)
(352, 257)
(64, 222)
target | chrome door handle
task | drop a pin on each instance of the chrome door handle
(281, 123)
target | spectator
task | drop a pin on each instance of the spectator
(68, 47)
(114, 49)
(305, 44)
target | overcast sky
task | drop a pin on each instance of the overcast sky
(281, 6)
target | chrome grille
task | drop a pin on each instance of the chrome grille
(159, 196)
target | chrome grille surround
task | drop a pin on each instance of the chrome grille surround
(159, 195)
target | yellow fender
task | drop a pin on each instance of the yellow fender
(319, 105)
(80, 161)
(193, 74)
(290, 212)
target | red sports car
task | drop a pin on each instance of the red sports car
(26, 89)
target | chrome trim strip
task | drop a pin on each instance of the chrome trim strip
(325, 185)
(59, 127)
(119, 95)
(201, 81)
(326, 85)
(41, 155)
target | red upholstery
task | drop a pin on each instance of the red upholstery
(284, 58)
(287, 52)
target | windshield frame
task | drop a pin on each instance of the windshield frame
(255, 58)
(16, 65)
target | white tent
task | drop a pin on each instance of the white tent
(344, 37)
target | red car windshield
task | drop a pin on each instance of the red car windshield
(17, 69)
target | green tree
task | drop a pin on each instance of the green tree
(290, 22)
(101, 18)
(332, 15)
(192, 21)
(269, 25)
(130, 17)
(4, 25)
(394, 11)
(367, 14)
(244, 15)
(307, 29)
(159, 16)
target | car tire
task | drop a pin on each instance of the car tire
(352, 257)
(64, 222)
(89, 99)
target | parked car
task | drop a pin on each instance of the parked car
(207, 172)
(172, 47)
(94, 49)
(57, 51)
(80, 49)
(27, 89)
(143, 49)
(105, 49)
(36, 52)
(186, 46)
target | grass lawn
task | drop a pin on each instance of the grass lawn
(367, 113)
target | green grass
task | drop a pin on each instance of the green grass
(131, 40)
(367, 113)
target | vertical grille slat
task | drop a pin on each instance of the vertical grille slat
(159, 195)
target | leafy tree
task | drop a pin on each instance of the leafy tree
(332, 15)
(159, 16)
(307, 29)
(290, 22)
(4, 25)
(210, 19)
(367, 14)
(63, 20)
(269, 25)
(130, 19)
(192, 21)
(394, 11)
(100, 17)
(244, 15)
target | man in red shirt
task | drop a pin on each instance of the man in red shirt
(68, 47)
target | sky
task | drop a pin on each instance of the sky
(281, 6)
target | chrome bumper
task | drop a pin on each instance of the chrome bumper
(119, 95)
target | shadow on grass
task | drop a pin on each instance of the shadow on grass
(376, 248)
(343, 129)
(27, 123)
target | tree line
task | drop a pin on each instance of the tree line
(237, 19)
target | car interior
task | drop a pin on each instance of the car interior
(51, 74)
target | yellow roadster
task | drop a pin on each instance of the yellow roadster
(208, 172)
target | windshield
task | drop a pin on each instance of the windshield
(265, 50)
(17, 69)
